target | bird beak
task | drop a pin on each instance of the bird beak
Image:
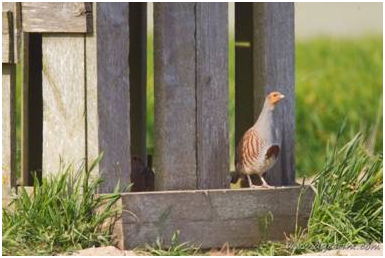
(282, 96)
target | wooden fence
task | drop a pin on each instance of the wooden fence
(84, 92)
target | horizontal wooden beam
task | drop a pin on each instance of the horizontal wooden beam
(75, 17)
(210, 218)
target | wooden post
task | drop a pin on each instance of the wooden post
(107, 93)
(212, 95)
(175, 104)
(15, 9)
(85, 87)
(138, 78)
(9, 103)
(265, 62)
(273, 54)
(191, 95)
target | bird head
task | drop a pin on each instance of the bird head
(274, 98)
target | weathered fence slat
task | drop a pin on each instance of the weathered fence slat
(264, 63)
(138, 78)
(211, 218)
(175, 96)
(107, 94)
(14, 8)
(7, 37)
(62, 17)
(63, 100)
(212, 95)
(26, 177)
(8, 104)
(273, 54)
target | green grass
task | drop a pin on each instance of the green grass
(175, 248)
(348, 205)
(336, 80)
(62, 215)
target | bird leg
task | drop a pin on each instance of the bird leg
(264, 183)
(250, 182)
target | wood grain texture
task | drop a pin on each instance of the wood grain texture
(210, 218)
(63, 101)
(138, 78)
(175, 96)
(7, 37)
(24, 52)
(108, 97)
(244, 101)
(8, 125)
(63, 17)
(273, 55)
(212, 95)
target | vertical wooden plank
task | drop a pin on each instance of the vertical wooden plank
(92, 116)
(138, 78)
(212, 95)
(175, 96)
(107, 94)
(8, 126)
(63, 100)
(7, 37)
(244, 101)
(15, 9)
(8, 104)
(25, 178)
(24, 149)
(273, 55)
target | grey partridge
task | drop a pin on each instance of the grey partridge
(259, 147)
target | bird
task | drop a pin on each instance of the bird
(259, 147)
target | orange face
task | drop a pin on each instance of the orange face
(275, 97)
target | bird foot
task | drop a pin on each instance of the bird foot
(267, 186)
(254, 186)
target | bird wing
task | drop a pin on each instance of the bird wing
(272, 151)
(247, 149)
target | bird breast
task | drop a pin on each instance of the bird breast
(255, 155)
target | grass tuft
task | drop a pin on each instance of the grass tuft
(175, 248)
(62, 214)
(348, 206)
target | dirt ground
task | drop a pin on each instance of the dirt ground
(374, 250)
(102, 251)
(113, 251)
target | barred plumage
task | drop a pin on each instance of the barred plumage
(259, 147)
